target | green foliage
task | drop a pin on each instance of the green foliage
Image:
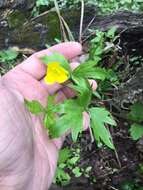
(88, 71)
(100, 117)
(110, 6)
(77, 172)
(64, 155)
(140, 168)
(111, 32)
(136, 131)
(104, 6)
(8, 59)
(42, 3)
(136, 112)
(49, 119)
(69, 120)
(130, 185)
(8, 55)
(68, 160)
(34, 107)
(136, 116)
(61, 176)
(127, 186)
(84, 91)
(102, 46)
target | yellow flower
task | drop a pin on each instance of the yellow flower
(56, 73)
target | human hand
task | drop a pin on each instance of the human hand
(28, 157)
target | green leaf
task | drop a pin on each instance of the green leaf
(88, 71)
(49, 120)
(67, 106)
(8, 55)
(127, 185)
(97, 95)
(69, 120)
(51, 102)
(61, 176)
(42, 2)
(64, 155)
(76, 171)
(74, 160)
(136, 131)
(56, 57)
(84, 92)
(34, 107)
(50, 117)
(100, 117)
(136, 112)
(88, 169)
(85, 66)
(111, 32)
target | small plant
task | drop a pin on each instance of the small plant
(67, 166)
(59, 71)
(104, 6)
(136, 117)
(68, 162)
(8, 55)
(103, 47)
(8, 58)
(130, 185)
(60, 118)
(62, 177)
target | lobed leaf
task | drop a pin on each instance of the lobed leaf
(136, 112)
(34, 107)
(136, 131)
(100, 117)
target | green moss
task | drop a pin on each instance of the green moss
(16, 19)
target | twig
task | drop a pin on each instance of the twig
(88, 25)
(113, 188)
(81, 21)
(116, 153)
(91, 134)
(38, 16)
(71, 38)
(61, 23)
(93, 33)
(117, 157)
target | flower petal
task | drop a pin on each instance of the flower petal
(56, 73)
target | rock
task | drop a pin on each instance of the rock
(20, 4)
(43, 29)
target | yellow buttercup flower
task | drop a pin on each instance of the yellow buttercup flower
(56, 73)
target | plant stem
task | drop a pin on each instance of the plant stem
(81, 21)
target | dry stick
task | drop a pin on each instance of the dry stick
(61, 23)
(81, 21)
(71, 38)
(116, 153)
(89, 24)
(113, 188)
(64, 24)
(89, 36)
(91, 134)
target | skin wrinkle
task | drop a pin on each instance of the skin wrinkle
(35, 86)
(10, 162)
(45, 153)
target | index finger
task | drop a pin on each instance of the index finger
(37, 69)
